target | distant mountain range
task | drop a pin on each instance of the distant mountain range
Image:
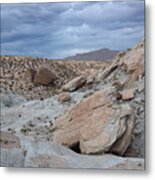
(98, 55)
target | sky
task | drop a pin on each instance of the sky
(58, 30)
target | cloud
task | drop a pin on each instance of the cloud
(57, 30)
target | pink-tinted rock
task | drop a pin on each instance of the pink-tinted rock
(127, 94)
(95, 123)
(63, 97)
(74, 84)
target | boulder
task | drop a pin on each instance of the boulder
(95, 123)
(127, 94)
(117, 132)
(44, 77)
(63, 97)
(106, 72)
(74, 84)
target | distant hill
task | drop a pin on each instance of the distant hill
(98, 55)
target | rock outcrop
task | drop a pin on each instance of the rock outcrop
(95, 123)
(87, 123)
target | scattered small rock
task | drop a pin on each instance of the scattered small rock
(127, 94)
(64, 97)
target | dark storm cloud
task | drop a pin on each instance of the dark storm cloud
(56, 30)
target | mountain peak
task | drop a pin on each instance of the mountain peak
(103, 54)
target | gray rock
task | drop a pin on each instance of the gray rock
(13, 157)
(33, 118)
(9, 99)
(5, 100)
(43, 154)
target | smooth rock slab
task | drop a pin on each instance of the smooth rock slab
(13, 157)
(49, 155)
(11, 154)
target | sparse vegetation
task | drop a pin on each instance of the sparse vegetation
(25, 130)
(30, 124)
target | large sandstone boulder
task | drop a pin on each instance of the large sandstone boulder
(74, 84)
(118, 125)
(44, 77)
(95, 123)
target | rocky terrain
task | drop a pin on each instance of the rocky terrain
(98, 55)
(73, 114)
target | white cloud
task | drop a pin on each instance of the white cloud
(62, 29)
